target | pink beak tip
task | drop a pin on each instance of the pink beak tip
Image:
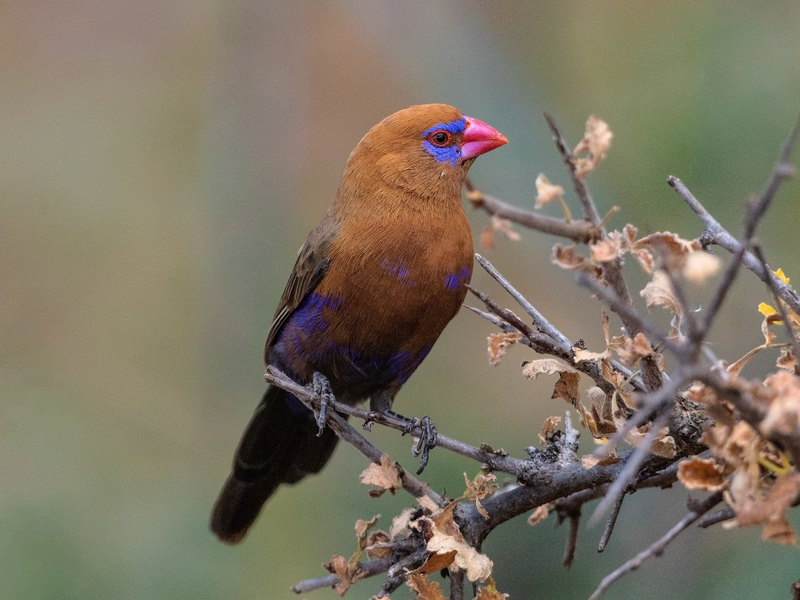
(480, 138)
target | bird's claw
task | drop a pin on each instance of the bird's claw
(322, 387)
(426, 442)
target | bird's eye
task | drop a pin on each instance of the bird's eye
(440, 138)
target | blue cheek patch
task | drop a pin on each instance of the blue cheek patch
(449, 154)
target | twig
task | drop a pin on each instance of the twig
(612, 520)
(369, 569)
(719, 516)
(539, 321)
(347, 432)
(657, 548)
(587, 204)
(456, 584)
(494, 461)
(716, 234)
(578, 231)
(572, 538)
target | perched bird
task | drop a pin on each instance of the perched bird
(374, 285)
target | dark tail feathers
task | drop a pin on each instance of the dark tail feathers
(280, 445)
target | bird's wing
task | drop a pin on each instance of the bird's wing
(312, 263)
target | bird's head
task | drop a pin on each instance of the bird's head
(425, 150)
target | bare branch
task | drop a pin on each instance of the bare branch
(578, 231)
(658, 547)
(369, 569)
(539, 321)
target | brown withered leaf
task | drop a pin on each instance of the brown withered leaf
(581, 355)
(663, 445)
(607, 249)
(338, 566)
(498, 225)
(428, 505)
(787, 360)
(546, 192)
(548, 427)
(538, 515)
(375, 544)
(645, 259)
(700, 265)
(735, 368)
(590, 460)
(771, 510)
(659, 292)
(602, 409)
(399, 528)
(701, 474)
(567, 257)
(490, 593)
(480, 488)
(499, 343)
(783, 415)
(385, 475)
(423, 588)
(447, 537)
(596, 141)
(436, 562)
(362, 526)
(670, 246)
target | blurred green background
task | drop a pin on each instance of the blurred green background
(160, 164)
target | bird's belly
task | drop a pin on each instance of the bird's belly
(369, 331)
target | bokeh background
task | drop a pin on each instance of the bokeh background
(160, 164)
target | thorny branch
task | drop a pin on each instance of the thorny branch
(662, 416)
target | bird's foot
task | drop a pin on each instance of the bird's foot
(426, 441)
(322, 386)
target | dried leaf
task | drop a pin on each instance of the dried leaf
(596, 141)
(787, 360)
(499, 343)
(602, 409)
(581, 355)
(538, 515)
(659, 292)
(423, 588)
(480, 488)
(700, 266)
(546, 192)
(498, 225)
(701, 474)
(399, 528)
(783, 415)
(490, 593)
(427, 504)
(338, 566)
(385, 475)
(548, 427)
(670, 246)
(446, 537)
(362, 526)
(590, 460)
(567, 257)
(607, 249)
(374, 541)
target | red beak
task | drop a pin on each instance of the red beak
(479, 138)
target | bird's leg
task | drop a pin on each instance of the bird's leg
(322, 387)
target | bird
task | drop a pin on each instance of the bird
(374, 285)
